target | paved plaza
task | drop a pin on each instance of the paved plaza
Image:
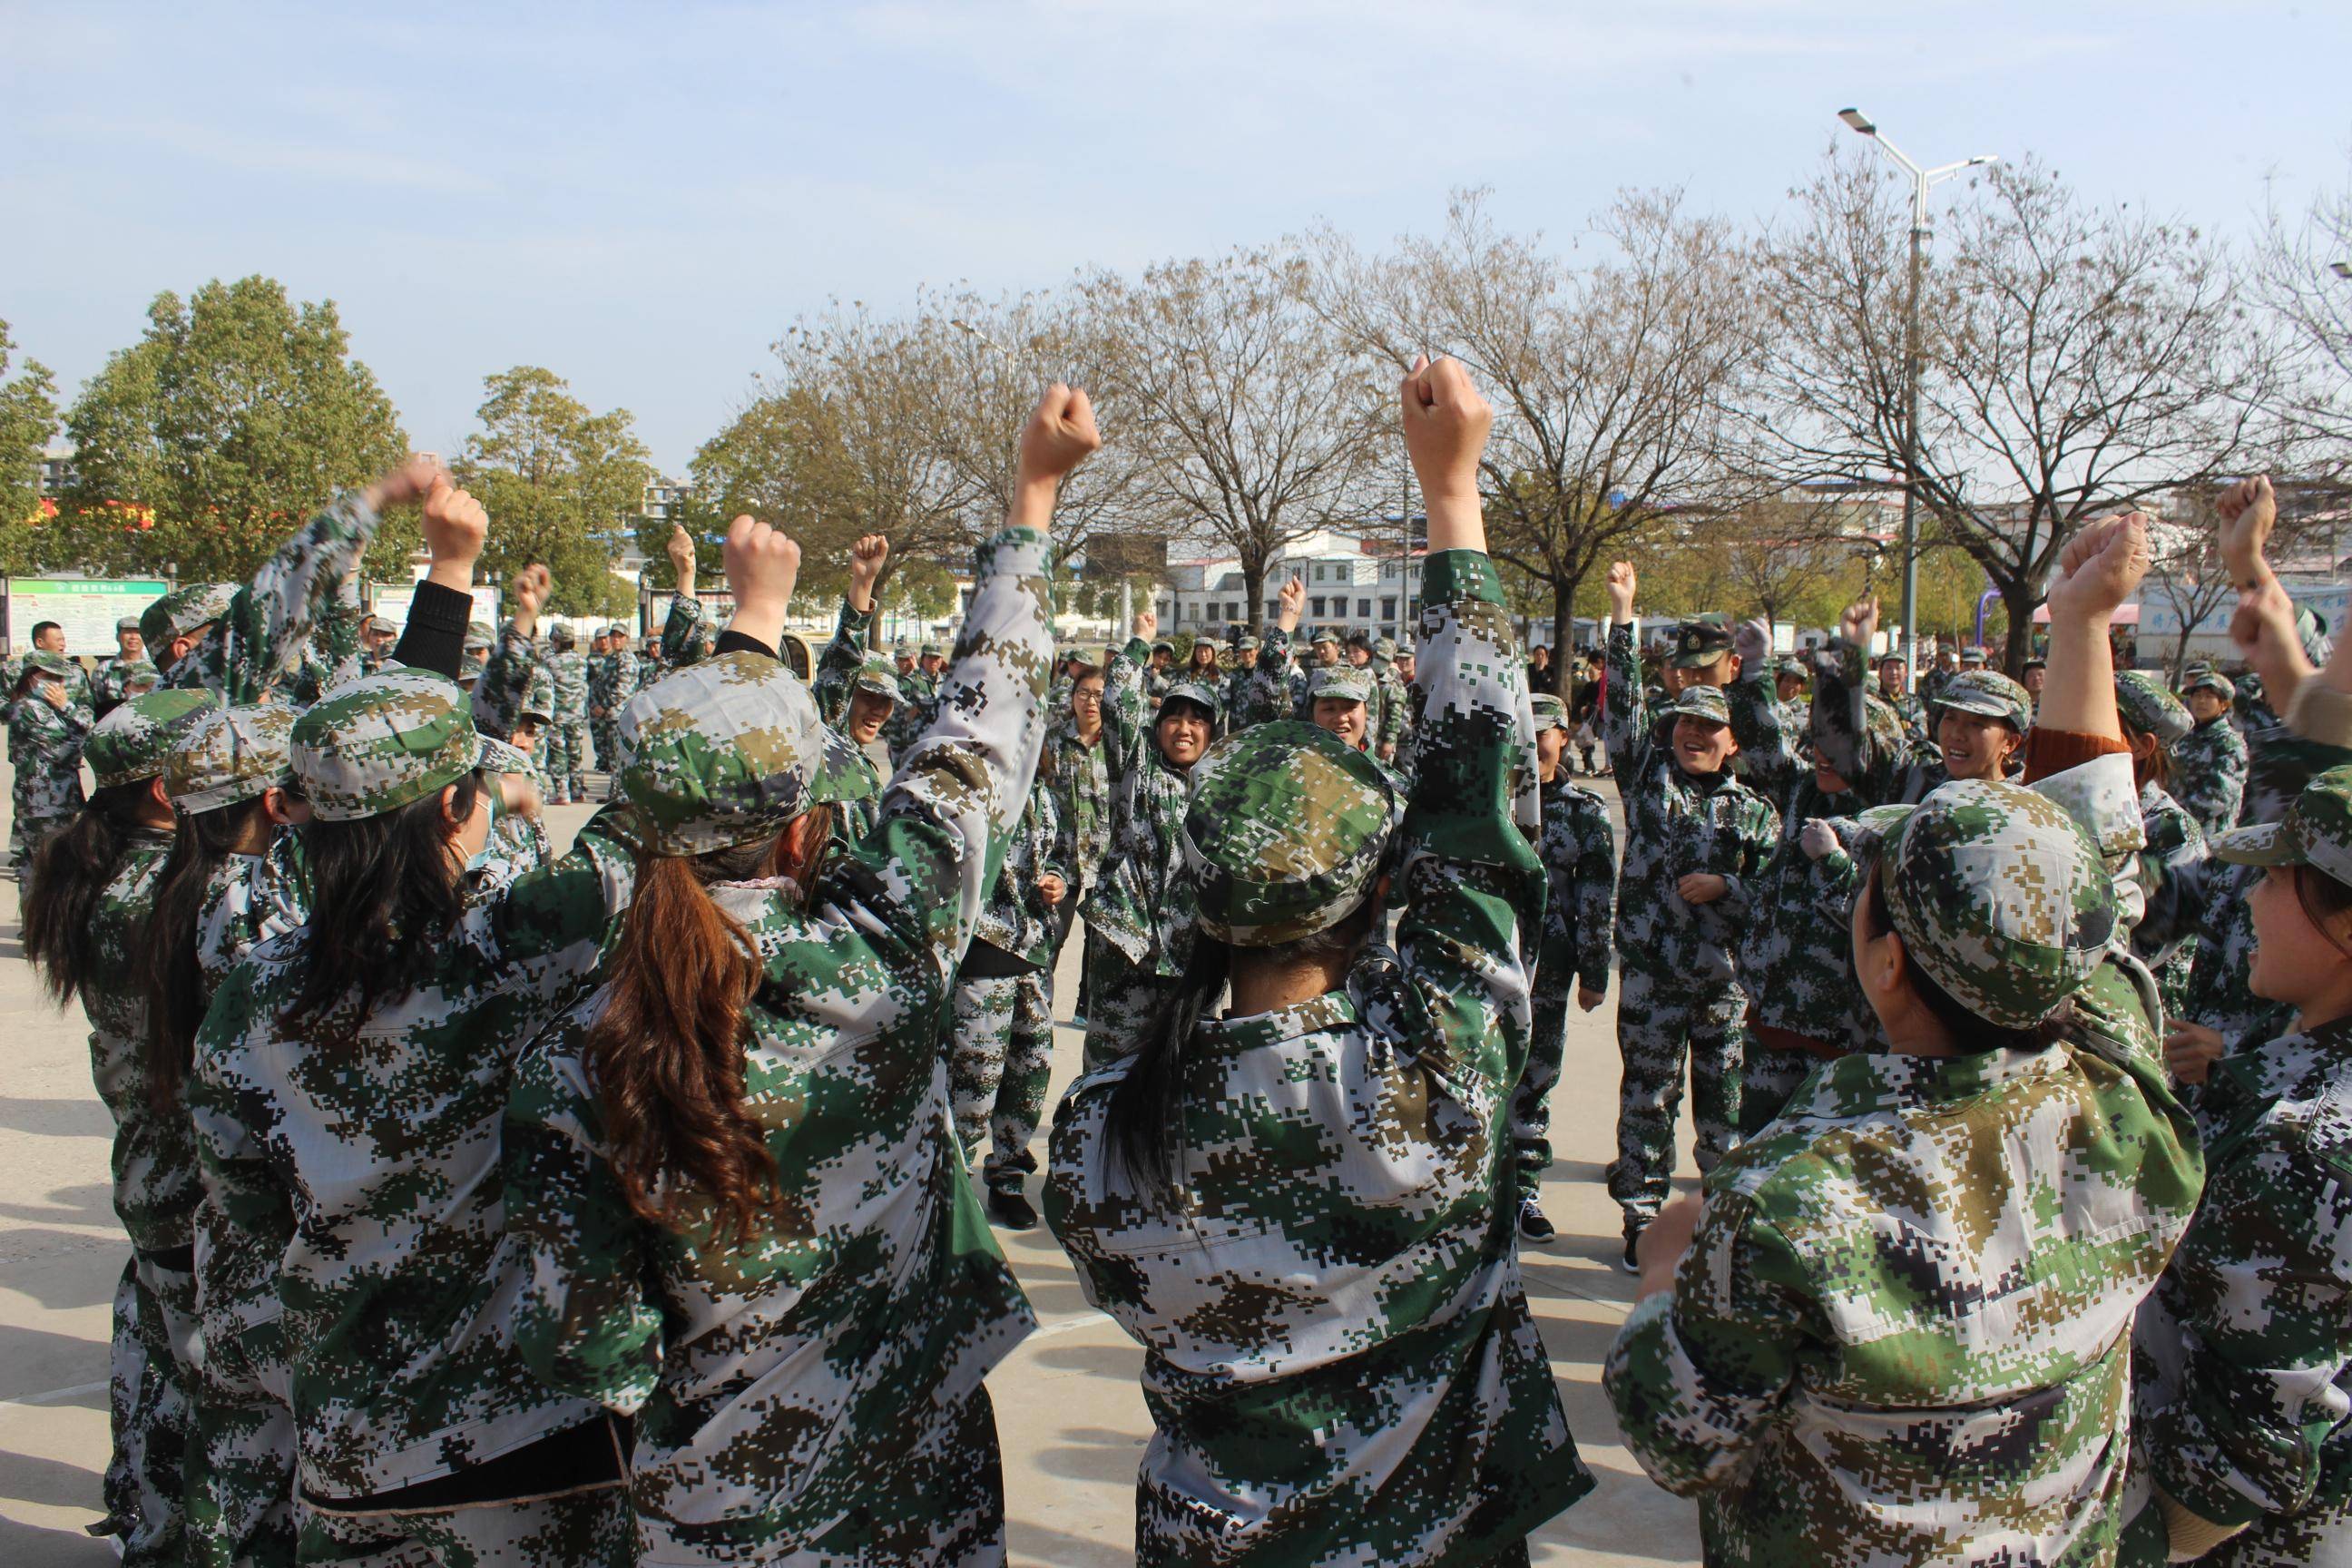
(1070, 1411)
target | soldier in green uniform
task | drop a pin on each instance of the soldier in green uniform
(46, 727)
(1895, 691)
(617, 680)
(1302, 1209)
(1234, 694)
(2208, 763)
(1899, 1334)
(83, 921)
(567, 747)
(1160, 671)
(1389, 723)
(1979, 722)
(2164, 939)
(110, 684)
(1696, 841)
(1579, 851)
(786, 1277)
(1139, 916)
(1081, 774)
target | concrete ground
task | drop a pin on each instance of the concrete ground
(1069, 1410)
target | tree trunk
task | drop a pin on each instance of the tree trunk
(1563, 634)
(2018, 599)
(1253, 615)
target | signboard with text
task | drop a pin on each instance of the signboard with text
(87, 611)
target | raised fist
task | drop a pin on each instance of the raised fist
(1621, 583)
(1290, 600)
(1752, 641)
(1446, 425)
(1060, 433)
(763, 564)
(2249, 511)
(531, 587)
(680, 551)
(412, 479)
(1859, 623)
(1146, 625)
(2100, 567)
(455, 524)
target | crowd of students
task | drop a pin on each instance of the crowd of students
(490, 1206)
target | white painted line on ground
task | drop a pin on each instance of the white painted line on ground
(52, 1395)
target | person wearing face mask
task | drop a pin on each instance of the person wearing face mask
(1140, 917)
(45, 729)
(1697, 840)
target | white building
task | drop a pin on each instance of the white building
(1352, 585)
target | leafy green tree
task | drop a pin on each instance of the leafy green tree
(236, 413)
(564, 485)
(29, 416)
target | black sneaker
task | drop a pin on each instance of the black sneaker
(1632, 1260)
(1011, 1210)
(1533, 1226)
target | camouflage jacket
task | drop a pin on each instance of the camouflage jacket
(302, 605)
(1579, 849)
(249, 900)
(364, 1202)
(2208, 773)
(1899, 775)
(780, 1384)
(111, 681)
(1676, 824)
(917, 701)
(505, 681)
(1912, 715)
(1241, 708)
(839, 664)
(1081, 787)
(2168, 878)
(1277, 687)
(45, 749)
(1388, 723)
(1339, 1356)
(1143, 905)
(687, 638)
(156, 1186)
(1796, 956)
(2245, 1381)
(1901, 1333)
(569, 671)
(1767, 732)
(1016, 918)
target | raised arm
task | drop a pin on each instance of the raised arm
(1127, 718)
(686, 638)
(505, 681)
(838, 668)
(1625, 717)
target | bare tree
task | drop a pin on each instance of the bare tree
(2310, 302)
(2077, 360)
(1247, 404)
(1609, 380)
(1791, 558)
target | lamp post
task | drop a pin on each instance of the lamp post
(1921, 179)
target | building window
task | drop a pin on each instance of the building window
(1387, 608)
(1363, 609)
(1315, 606)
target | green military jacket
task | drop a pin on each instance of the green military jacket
(1143, 905)
(44, 750)
(791, 1389)
(156, 1188)
(1579, 849)
(2208, 773)
(1339, 1356)
(1082, 788)
(301, 606)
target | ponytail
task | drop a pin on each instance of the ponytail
(176, 984)
(665, 1053)
(1141, 1120)
(71, 871)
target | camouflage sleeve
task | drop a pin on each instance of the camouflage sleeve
(685, 633)
(1698, 1373)
(2173, 885)
(2230, 776)
(582, 1321)
(1269, 686)
(1058, 850)
(1126, 724)
(505, 679)
(1760, 839)
(271, 622)
(1595, 892)
(548, 914)
(1471, 879)
(1625, 713)
(838, 666)
(246, 1220)
(1768, 753)
(335, 645)
(2265, 1271)
(1391, 724)
(1841, 722)
(959, 794)
(2104, 802)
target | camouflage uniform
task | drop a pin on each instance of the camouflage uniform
(44, 750)
(1003, 1040)
(1387, 726)
(301, 605)
(1900, 1335)
(567, 735)
(686, 636)
(611, 684)
(1339, 1361)
(1680, 996)
(1903, 773)
(110, 685)
(1235, 696)
(351, 1246)
(1139, 916)
(151, 1360)
(2209, 765)
(2170, 862)
(1159, 677)
(814, 1394)
(1579, 851)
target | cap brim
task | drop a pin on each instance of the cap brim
(499, 757)
(1983, 707)
(2264, 844)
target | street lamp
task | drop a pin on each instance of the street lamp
(1921, 179)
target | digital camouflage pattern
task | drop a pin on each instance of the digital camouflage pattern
(1082, 793)
(816, 1390)
(136, 737)
(1804, 1001)
(1287, 829)
(1900, 1334)
(515, 682)
(1892, 768)
(117, 679)
(687, 638)
(377, 744)
(1679, 993)
(2244, 1369)
(230, 754)
(1339, 1361)
(2148, 708)
(613, 679)
(1579, 851)
(567, 737)
(2208, 773)
(1389, 718)
(44, 752)
(2171, 879)
(180, 612)
(1003, 1027)
(718, 753)
(301, 605)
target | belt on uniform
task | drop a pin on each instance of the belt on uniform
(1781, 1039)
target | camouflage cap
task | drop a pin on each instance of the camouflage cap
(140, 675)
(2148, 708)
(2317, 831)
(498, 757)
(1247, 645)
(230, 754)
(1551, 713)
(1287, 829)
(1972, 655)
(374, 744)
(560, 634)
(1161, 645)
(129, 624)
(1997, 896)
(843, 773)
(378, 624)
(1990, 693)
(1795, 667)
(1384, 648)
(931, 650)
(538, 698)
(1700, 643)
(2205, 678)
(46, 662)
(183, 610)
(1706, 702)
(721, 752)
(1349, 682)
(616, 631)
(132, 741)
(879, 676)
(1190, 692)
(478, 635)
(1325, 634)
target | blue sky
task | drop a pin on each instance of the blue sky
(642, 197)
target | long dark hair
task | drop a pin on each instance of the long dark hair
(665, 1054)
(71, 871)
(175, 978)
(385, 894)
(2155, 767)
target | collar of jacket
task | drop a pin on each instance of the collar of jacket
(1332, 1010)
(2294, 1067)
(1868, 1081)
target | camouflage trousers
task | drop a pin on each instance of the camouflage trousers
(1123, 1003)
(241, 1473)
(606, 734)
(150, 1411)
(566, 760)
(1658, 1030)
(1767, 1076)
(40, 808)
(1003, 1053)
(1531, 1096)
(588, 1528)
